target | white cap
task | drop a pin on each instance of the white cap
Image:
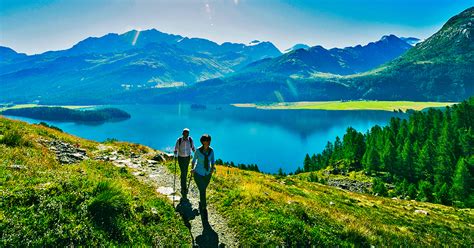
(186, 130)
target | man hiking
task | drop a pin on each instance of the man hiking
(182, 150)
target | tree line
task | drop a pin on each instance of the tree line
(65, 114)
(429, 156)
(249, 167)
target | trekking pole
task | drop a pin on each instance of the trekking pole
(174, 180)
(189, 181)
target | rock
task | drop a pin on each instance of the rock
(66, 153)
(152, 162)
(165, 190)
(161, 157)
(17, 167)
(420, 211)
(331, 203)
(351, 185)
(126, 163)
(102, 158)
(394, 198)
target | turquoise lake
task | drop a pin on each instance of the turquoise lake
(272, 139)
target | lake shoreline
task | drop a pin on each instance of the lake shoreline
(347, 105)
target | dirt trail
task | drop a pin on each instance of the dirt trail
(159, 175)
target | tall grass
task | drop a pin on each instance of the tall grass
(108, 207)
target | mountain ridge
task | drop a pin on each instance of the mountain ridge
(438, 69)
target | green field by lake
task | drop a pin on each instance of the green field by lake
(349, 105)
(32, 105)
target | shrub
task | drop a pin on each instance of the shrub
(109, 206)
(313, 177)
(13, 138)
(378, 186)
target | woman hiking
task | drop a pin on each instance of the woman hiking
(203, 167)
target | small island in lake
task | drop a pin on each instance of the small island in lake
(198, 106)
(66, 114)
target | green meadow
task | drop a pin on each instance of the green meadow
(350, 105)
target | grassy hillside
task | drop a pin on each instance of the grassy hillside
(292, 211)
(91, 203)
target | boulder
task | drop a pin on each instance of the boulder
(159, 158)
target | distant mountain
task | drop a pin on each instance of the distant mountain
(342, 61)
(98, 67)
(7, 54)
(296, 47)
(411, 40)
(441, 68)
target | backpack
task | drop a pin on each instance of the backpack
(190, 141)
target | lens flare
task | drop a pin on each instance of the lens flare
(292, 88)
(279, 96)
(136, 38)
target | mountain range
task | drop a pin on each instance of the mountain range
(441, 68)
(154, 67)
(114, 65)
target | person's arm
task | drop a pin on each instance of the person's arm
(176, 147)
(192, 144)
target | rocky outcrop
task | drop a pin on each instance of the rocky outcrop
(162, 157)
(351, 185)
(66, 153)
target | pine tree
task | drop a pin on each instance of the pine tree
(425, 192)
(353, 147)
(337, 154)
(442, 194)
(314, 163)
(444, 168)
(371, 160)
(461, 185)
(426, 160)
(389, 157)
(407, 170)
(326, 154)
(307, 163)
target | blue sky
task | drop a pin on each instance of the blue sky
(36, 26)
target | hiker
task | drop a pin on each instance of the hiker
(182, 150)
(203, 167)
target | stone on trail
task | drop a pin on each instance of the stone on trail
(420, 211)
(165, 190)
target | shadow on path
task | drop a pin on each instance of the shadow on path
(208, 237)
